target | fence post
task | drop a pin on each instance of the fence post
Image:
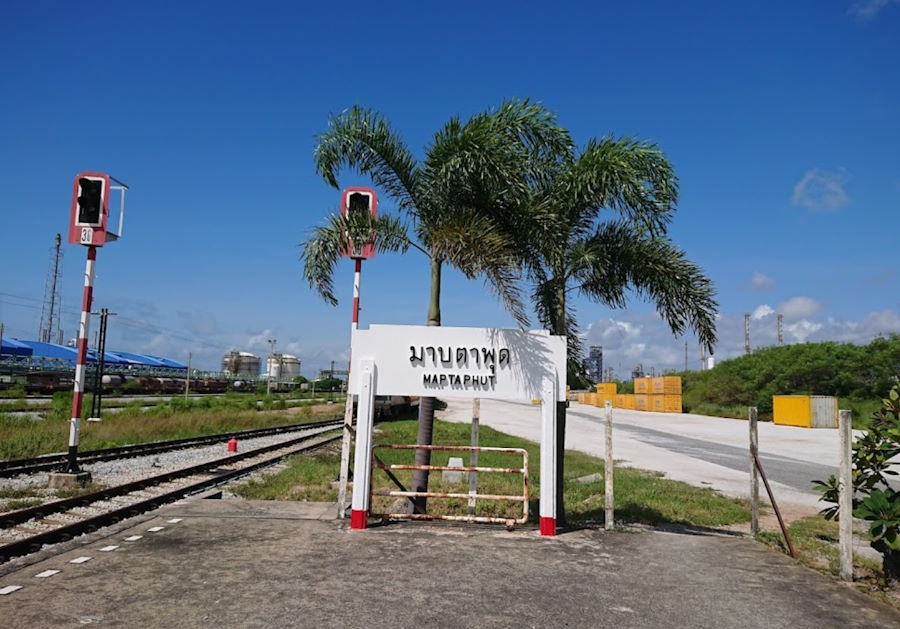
(608, 470)
(473, 459)
(754, 474)
(845, 496)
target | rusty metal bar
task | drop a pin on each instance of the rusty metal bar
(784, 531)
(480, 519)
(442, 494)
(452, 448)
(453, 468)
(449, 495)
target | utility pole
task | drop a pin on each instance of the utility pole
(187, 378)
(702, 357)
(747, 333)
(101, 364)
(269, 366)
(685, 356)
(51, 305)
(780, 329)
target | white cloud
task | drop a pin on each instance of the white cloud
(654, 345)
(761, 282)
(865, 10)
(797, 308)
(822, 190)
(762, 311)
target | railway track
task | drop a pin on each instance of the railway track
(16, 467)
(25, 531)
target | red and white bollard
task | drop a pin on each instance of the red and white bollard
(548, 458)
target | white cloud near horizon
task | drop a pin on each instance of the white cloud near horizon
(652, 344)
(797, 308)
(822, 190)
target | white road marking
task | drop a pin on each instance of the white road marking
(175, 520)
(133, 538)
(9, 589)
(45, 574)
(156, 529)
(80, 560)
(107, 549)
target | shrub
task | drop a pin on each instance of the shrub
(874, 500)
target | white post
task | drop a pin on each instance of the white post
(362, 458)
(845, 496)
(754, 474)
(608, 470)
(473, 458)
(548, 457)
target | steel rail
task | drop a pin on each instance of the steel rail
(49, 462)
(34, 543)
(12, 518)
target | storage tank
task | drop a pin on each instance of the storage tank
(240, 363)
(290, 367)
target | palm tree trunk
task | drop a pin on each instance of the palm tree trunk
(426, 404)
(560, 325)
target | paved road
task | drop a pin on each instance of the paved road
(704, 451)
(786, 470)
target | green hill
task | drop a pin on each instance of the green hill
(860, 375)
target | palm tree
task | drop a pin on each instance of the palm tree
(460, 201)
(579, 252)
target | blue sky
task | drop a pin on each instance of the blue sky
(782, 121)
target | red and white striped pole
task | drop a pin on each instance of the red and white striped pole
(344, 475)
(81, 362)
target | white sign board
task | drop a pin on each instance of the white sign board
(460, 362)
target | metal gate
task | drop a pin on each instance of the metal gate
(471, 496)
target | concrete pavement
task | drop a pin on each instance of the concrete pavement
(232, 563)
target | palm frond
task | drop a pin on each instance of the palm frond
(362, 139)
(628, 176)
(619, 256)
(327, 244)
(474, 245)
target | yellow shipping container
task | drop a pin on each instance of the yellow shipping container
(629, 401)
(619, 402)
(806, 411)
(642, 402)
(657, 403)
(581, 398)
(642, 386)
(672, 403)
(665, 385)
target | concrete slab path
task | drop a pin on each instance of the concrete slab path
(231, 563)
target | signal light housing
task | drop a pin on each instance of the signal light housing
(90, 209)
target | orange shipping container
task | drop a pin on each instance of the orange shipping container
(672, 403)
(642, 402)
(666, 385)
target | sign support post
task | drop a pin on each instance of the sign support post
(81, 362)
(548, 457)
(362, 462)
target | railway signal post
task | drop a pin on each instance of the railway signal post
(354, 200)
(87, 227)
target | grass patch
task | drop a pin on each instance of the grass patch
(816, 541)
(9, 493)
(22, 503)
(176, 419)
(641, 497)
